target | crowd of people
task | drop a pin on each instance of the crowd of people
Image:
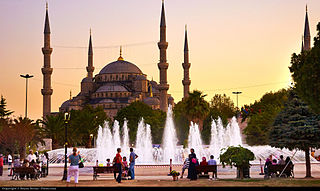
(124, 170)
(34, 160)
(124, 166)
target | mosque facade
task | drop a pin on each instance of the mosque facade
(121, 82)
(118, 84)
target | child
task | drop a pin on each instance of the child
(108, 162)
(185, 166)
(125, 170)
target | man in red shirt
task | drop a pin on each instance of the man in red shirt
(119, 164)
(1, 164)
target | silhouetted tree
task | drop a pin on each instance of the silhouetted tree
(3, 111)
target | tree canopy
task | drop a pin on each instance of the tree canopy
(219, 106)
(20, 133)
(296, 127)
(196, 107)
(238, 157)
(261, 116)
(82, 123)
(305, 69)
(137, 110)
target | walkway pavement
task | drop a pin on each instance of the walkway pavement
(160, 173)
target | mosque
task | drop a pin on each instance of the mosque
(119, 83)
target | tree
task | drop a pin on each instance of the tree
(83, 123)
(296, 127)
(261, 116)
(3, 111)
(25, 131)
(8, 141)
(222, 106)
(196, 108)
(181, 122)
(137, 110)
(53, 127)
(305, 69)
(238, 157)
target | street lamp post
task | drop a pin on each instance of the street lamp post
(27, 76)
(237, 93)
(66, 121)
(91, 138)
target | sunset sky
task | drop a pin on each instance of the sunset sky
(234, 45)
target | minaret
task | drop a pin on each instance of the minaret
(163, 65)
(186, 65)
(307, 37)
(90, 67)
(302, 45)
(46, 70)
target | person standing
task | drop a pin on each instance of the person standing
(192, 173)
(47, 159)
(132, 160)
(213, 162)
(9, 162)
(44, 162)
(73, 170)
(119, 164)
(1, 164)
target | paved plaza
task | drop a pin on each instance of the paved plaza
(157, 176)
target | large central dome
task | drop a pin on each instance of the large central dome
(120, 66)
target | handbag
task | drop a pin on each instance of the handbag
(81, 165)
(194, 160)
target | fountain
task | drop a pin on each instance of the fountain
(221, 137)
(169, 139)
(144, 143)
(194, 140)
(125, 143)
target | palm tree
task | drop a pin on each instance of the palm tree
(196, 108)
(53, 127)
(25, 131)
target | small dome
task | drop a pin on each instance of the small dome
(86, 80)
(151, 101)
(120, 66)
(65, 104)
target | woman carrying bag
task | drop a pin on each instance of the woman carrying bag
(73, 170)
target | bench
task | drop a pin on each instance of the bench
(20, 172)
(102, 170)
(205, 169)
(275, 170)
